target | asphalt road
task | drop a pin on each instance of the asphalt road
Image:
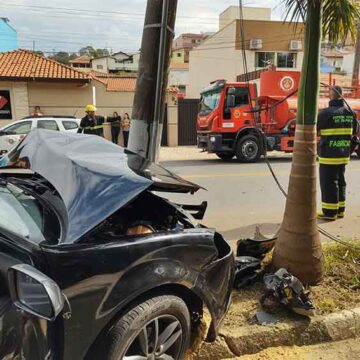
(241, 196)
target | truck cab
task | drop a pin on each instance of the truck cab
(224, 109)
(234, 120)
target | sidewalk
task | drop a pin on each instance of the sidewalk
(181, 153)
(341, 350)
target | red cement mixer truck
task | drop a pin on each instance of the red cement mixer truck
(233, 117)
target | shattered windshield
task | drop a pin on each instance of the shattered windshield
(209, 102)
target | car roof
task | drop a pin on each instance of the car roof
(49, 117)
(31, 118)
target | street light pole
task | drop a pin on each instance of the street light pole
(149, 101)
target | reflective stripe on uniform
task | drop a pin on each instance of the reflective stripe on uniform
(342, 204)
(92, 127)
(329, 206)
(334, 161)
(340, 131)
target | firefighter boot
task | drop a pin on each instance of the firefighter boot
(322, 216)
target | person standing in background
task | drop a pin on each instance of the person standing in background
(37, 111)
(115, 121)
(125, 126)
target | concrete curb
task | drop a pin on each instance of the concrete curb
(254, 338)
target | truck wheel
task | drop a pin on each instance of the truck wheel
(158, 328)
(225, 156)
(248, 149)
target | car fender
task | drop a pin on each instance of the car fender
(143, 278)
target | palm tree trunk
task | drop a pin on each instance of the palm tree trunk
(298, 248)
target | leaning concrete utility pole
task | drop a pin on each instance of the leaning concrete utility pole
(149, 101)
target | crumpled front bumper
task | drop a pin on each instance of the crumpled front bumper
(215, 284)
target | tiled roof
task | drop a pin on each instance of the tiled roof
(24, 65)
(180, 66)
(83, 59)
(116, 82)
(121, 84)
(335, 54)
(102, 75)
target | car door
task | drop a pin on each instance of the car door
(14, 133)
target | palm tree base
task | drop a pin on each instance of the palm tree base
(298, 248)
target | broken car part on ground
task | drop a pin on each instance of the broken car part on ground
(81, 211)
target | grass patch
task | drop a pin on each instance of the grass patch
(340, 288)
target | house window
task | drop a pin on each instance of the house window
(178, 54)
(286, 60)
(262, 57)
(193, 41)
(99, 67)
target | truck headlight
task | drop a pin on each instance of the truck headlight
(212, 139)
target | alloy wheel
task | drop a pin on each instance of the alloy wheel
(160, 339)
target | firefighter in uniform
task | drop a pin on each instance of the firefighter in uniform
(336, 125)
(91, 124)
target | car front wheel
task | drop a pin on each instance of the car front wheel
(157, 329)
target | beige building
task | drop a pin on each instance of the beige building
(249, 13)
(30, 80)
(221, 56)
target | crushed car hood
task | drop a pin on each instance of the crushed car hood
(94, 177)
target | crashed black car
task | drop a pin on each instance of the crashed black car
(94, 264)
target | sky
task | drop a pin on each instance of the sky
(113, 24)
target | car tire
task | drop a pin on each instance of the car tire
(127, 337)
(248, 149)
(225, 156)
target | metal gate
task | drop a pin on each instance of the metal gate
(187, 115)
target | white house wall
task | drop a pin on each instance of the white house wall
(178, 77)
(216, 58)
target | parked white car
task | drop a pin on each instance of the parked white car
(12, 134)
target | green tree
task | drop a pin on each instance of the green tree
(61, 57)
(92, 52)
(298, 247)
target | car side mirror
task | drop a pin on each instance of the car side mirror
(34, 292)
(230, 101)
